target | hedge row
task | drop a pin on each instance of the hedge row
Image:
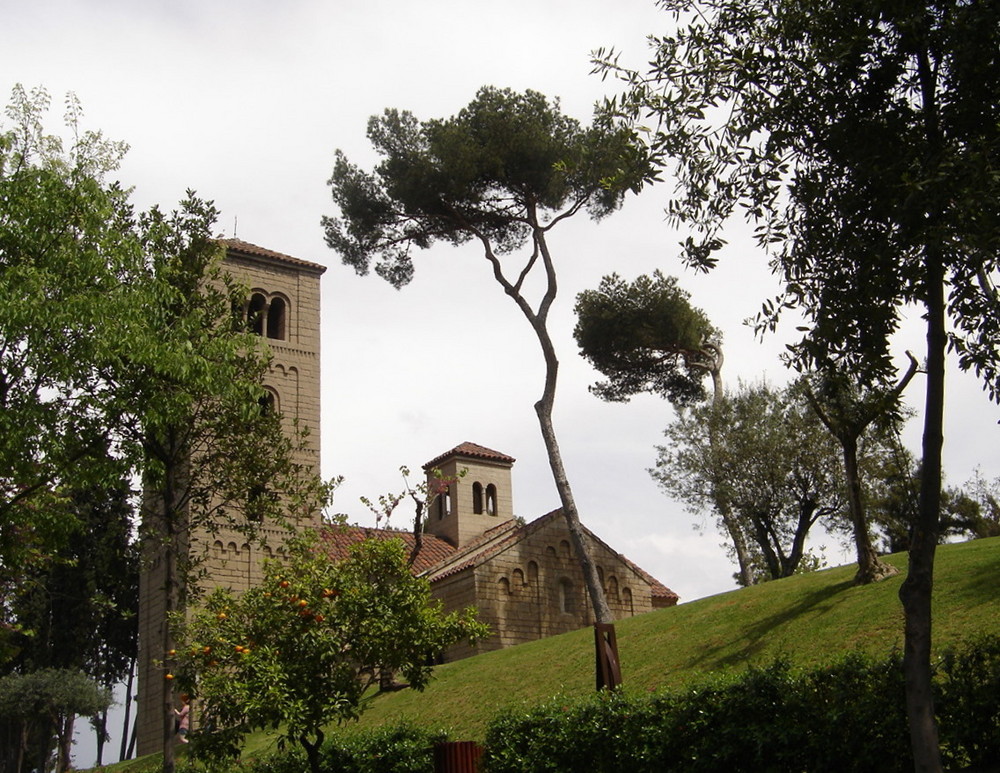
(846, 717)
(397, 749)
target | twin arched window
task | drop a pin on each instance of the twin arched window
(268, 316)
(484, 500)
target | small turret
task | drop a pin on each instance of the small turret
(473, 503)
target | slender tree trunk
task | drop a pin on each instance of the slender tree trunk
(65, 752)
(312, 750)
(917, 588)
(101, 731)
(807, 517)
(168, 644)
(722, 503)
(123, 751)
(170, 544)
(132, 738)
(602, 613)
(769, 552)
(543, 409)
(870, 567)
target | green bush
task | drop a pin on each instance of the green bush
(968, 705)
(396, 749)
(848, 717)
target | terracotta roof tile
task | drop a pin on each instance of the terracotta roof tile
(438, 559)
(474, 451)
(339, 539)
(502, 536)
(246, 249)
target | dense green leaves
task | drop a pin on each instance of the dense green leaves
(765, 454)
(861, 140)
(64, 235)
(34, 709)
(299, 651)
(846, 716)
(852, 136)
(644, 336)
(485, 173)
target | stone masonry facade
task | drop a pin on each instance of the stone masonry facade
(283, 308)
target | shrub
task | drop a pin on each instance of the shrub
(401, 748)
(848, 717)
(968, 704)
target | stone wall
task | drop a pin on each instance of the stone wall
(534, 588)
(225, 558)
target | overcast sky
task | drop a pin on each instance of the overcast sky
(245, 102)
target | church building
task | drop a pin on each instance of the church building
(520, 574)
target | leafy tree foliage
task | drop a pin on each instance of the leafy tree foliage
(64, 236)
(79, 612)
(502, 173)
(768, 456)
(120, 352)
(645, 336)
(298, 652)
(968, 511)
(860, 139)
(32, 704)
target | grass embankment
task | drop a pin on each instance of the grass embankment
(810, 619)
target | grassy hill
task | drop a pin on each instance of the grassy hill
(810, 619)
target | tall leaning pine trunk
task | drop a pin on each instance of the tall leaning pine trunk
(543, 409)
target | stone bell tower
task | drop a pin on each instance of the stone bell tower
(283, 307)
(475, 502)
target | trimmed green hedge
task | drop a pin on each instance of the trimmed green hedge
(392, 749)
(847, 717)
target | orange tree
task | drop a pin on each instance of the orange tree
(298, 652)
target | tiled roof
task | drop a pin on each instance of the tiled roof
(433, 550)
(438, 559)
(247, 249)
(504, 535)
(474, 451)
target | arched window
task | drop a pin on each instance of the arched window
(491, 499)
(444, 502)
(477, 498)
(613, 587)
(567, 602)
(268, 316)
(504, 584)
(268, 402)
(256, 311)
(276, 319)
(532, 573)
(518, 580)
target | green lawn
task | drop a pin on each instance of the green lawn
(809, 619)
